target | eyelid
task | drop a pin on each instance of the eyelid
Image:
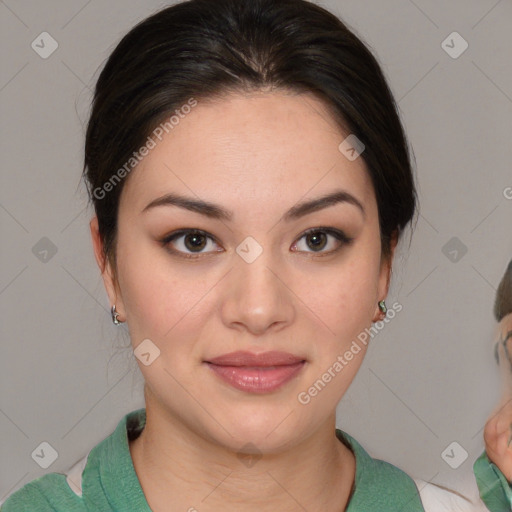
(327, 229)
(187, 231)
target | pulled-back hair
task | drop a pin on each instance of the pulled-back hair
(203, 49)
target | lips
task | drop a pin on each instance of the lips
(256, 373)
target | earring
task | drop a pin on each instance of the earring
(382, 307)
(115, 315)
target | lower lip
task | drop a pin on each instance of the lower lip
(257, 379)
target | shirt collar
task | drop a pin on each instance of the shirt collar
(123, 488)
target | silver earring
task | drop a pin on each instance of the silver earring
(115, 315)
(382, 307)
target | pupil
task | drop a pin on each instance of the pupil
(195, 241)
(318, 240)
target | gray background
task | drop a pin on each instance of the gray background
(429, 378)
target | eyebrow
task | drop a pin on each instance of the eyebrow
(214, 211)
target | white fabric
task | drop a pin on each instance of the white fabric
(74, 476)
(436, 498)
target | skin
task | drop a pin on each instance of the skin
(256, 155)
(498, 428)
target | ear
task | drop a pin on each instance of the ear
(105, 267)
(385, 275)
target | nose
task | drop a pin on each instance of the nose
(256, 297)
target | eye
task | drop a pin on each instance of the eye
(189, 243)
(192, 243)
(318, 239)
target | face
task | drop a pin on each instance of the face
(249, 296)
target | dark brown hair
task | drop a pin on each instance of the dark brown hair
(206, 48)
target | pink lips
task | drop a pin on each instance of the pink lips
(256, 373)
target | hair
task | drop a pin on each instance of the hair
(503, 300)
(204, 49)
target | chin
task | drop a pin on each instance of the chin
(263, 430)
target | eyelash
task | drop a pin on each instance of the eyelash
(339, 235)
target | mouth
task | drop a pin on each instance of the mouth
(256, 373)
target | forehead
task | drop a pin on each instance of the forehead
(274, 147)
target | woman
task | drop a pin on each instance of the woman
(251, 180)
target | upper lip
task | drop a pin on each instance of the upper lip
(244, 358)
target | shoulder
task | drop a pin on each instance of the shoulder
(48, 493)
(106, 473)
(372, 470)
(495, 490)
(380, 485)
(385, 485)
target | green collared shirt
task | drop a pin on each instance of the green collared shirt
(106, 481)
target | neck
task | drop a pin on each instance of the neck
(178, 469)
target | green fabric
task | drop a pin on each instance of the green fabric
(494, 489)
(380, 486)
(110, 483)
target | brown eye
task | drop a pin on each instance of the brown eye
(190, 243)
(195, 241)
(318, 239)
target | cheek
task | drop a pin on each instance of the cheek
(162, 302)
(344, 297)
(165, 302)
(150, 292)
